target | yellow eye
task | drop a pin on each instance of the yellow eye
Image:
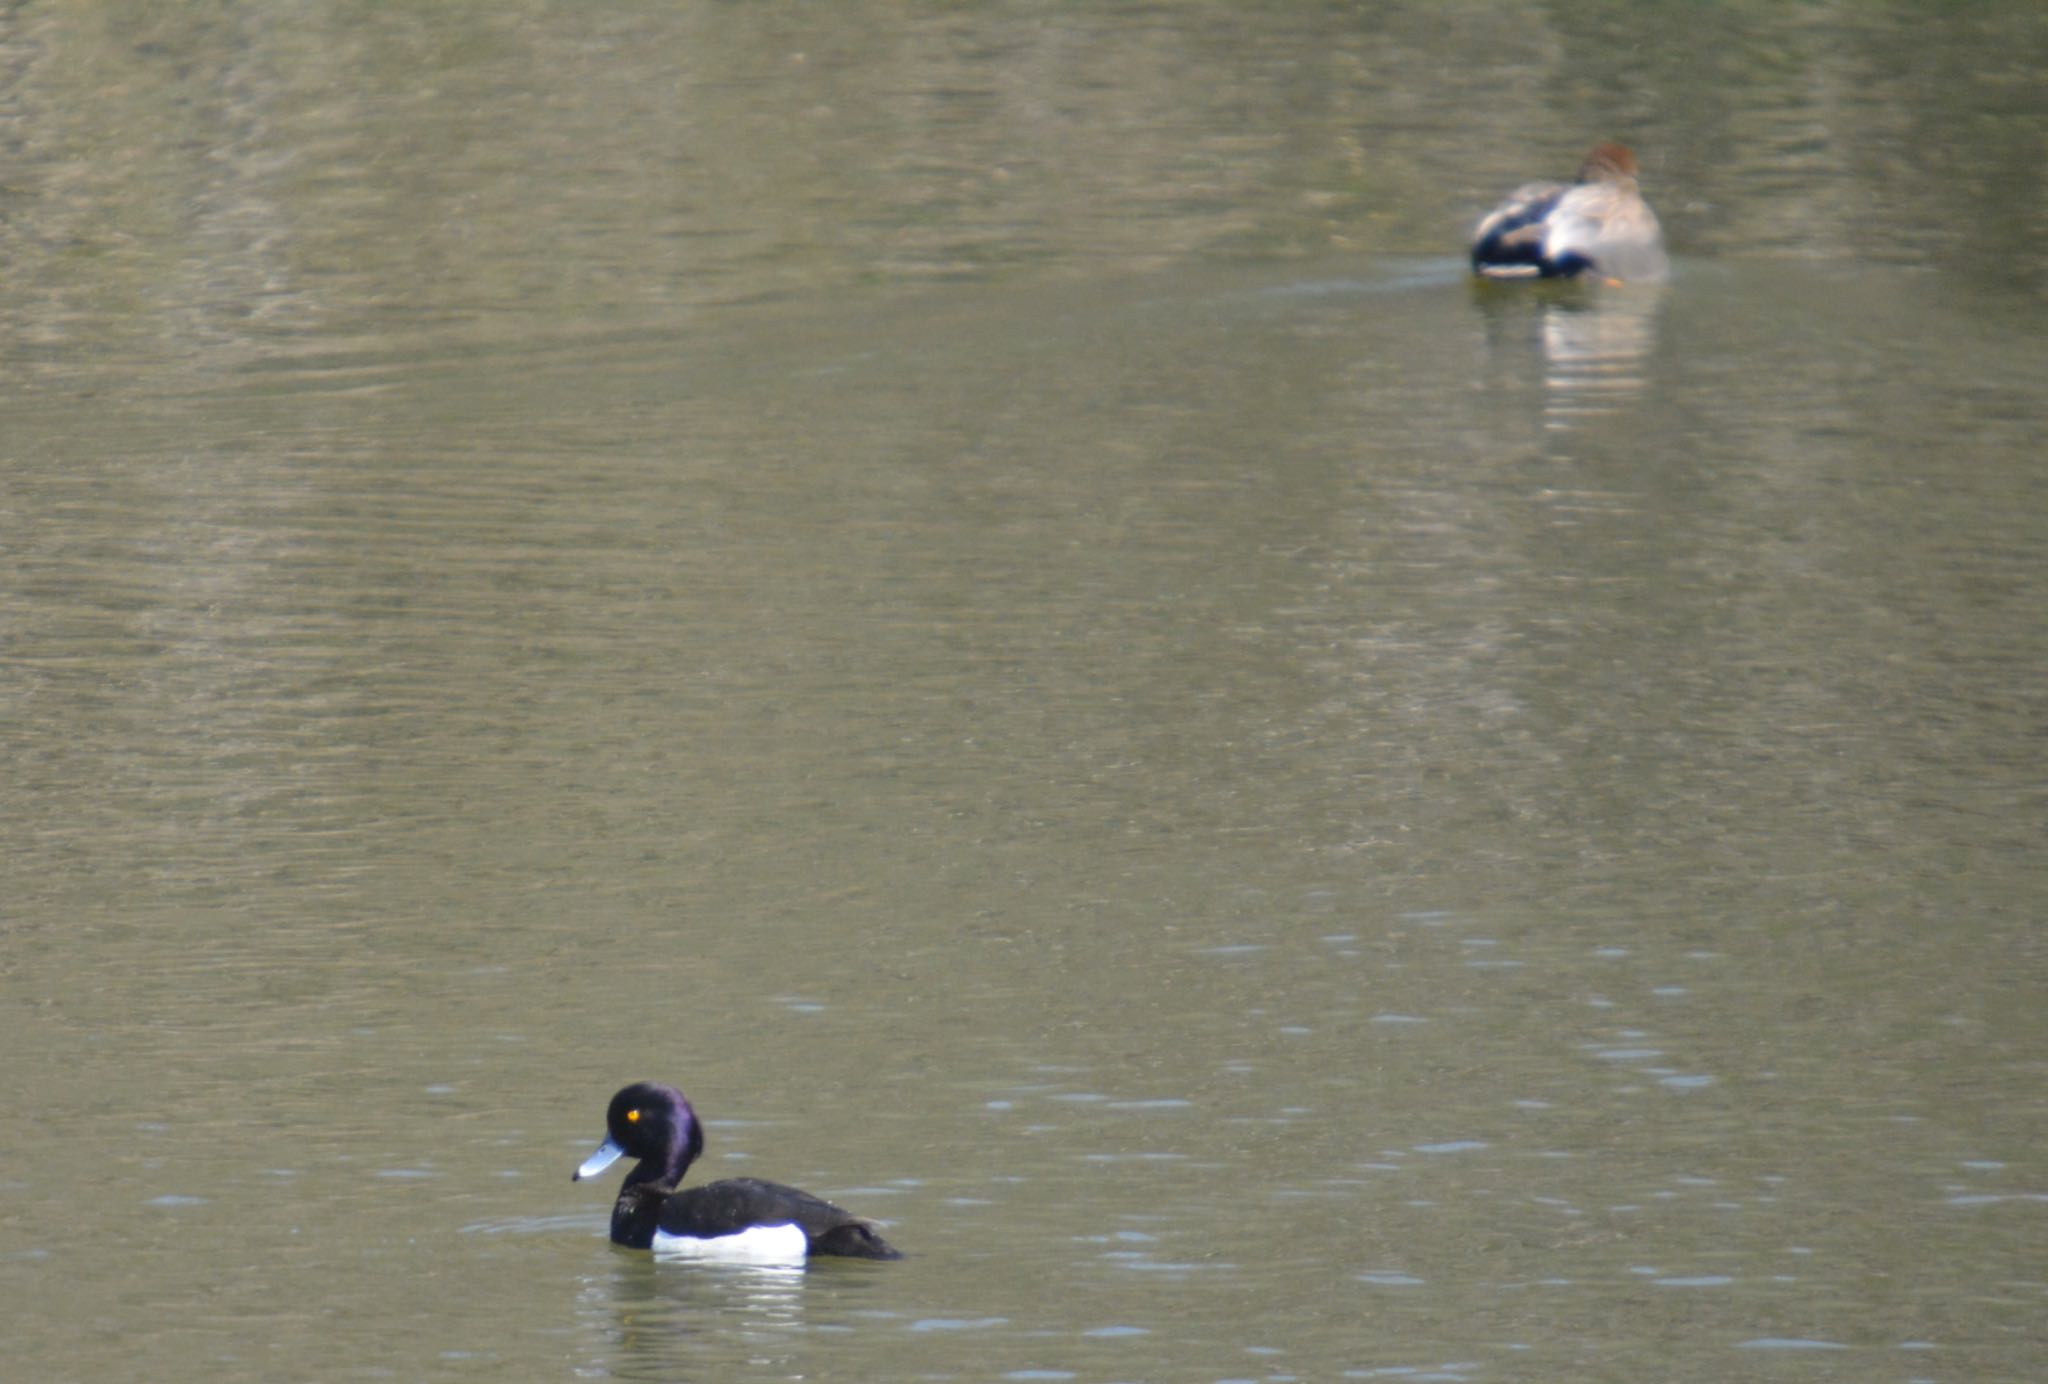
(632, 1117)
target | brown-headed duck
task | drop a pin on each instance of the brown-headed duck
(1598, 225)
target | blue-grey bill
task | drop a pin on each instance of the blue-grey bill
(607, 1154)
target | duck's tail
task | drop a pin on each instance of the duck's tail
(855, 1240)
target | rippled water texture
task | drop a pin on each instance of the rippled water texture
(975, 586)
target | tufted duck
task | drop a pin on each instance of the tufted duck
(742, 1219)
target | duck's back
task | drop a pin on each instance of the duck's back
(1609, 228)
(741, 1204)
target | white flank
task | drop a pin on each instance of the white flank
(760, 1244)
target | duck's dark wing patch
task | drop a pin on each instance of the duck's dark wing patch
(728, 1207)
(1509, 243)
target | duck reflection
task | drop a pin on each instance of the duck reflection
(647, 1321)
(1595, 353)
(1592, 344)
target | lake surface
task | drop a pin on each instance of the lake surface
(975, 586)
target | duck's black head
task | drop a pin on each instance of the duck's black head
(654, 1124)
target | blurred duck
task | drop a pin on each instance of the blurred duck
(1599, 224)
